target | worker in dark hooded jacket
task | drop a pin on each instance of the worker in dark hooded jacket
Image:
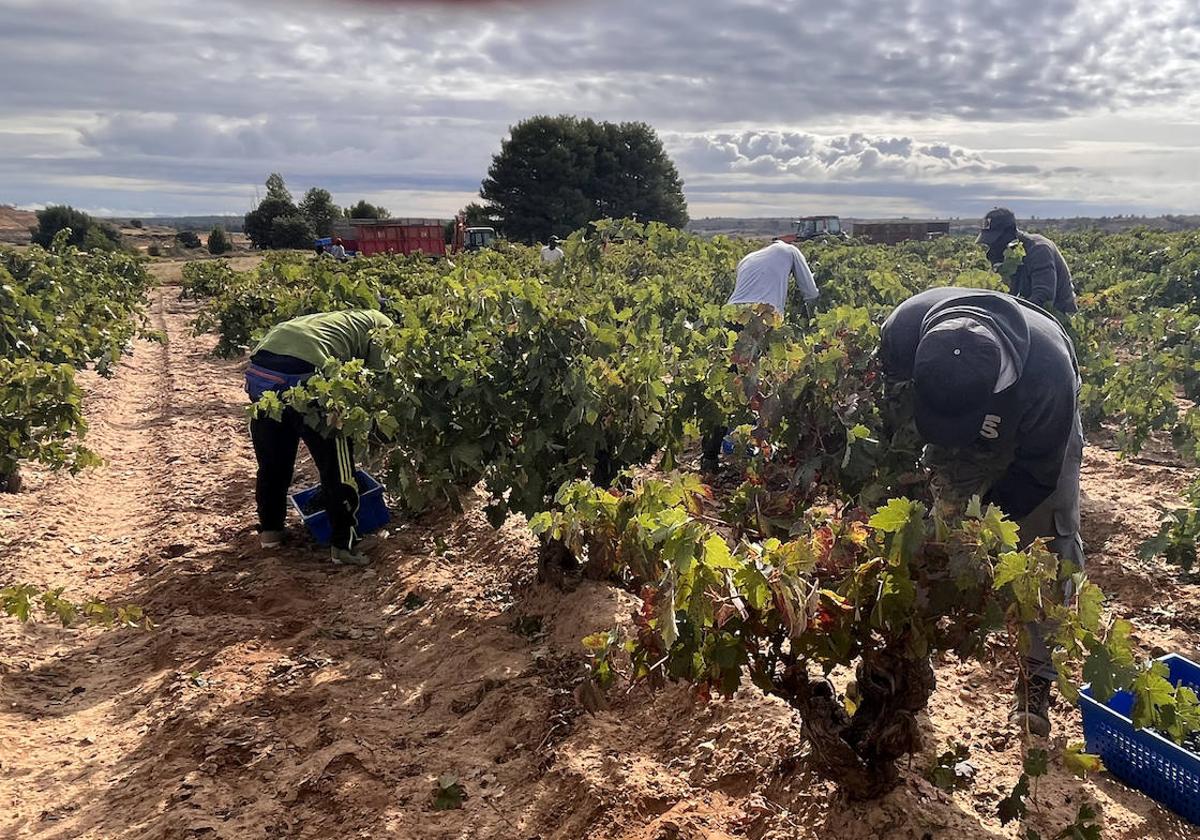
(1042, 276)
(288, 355)
(993, 384)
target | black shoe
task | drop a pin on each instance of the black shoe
(1032, 710)
(710, 465)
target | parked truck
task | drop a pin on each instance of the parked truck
(411, 236)
(400, 236)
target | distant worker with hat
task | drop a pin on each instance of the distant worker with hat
(1030, 263)
(551, 253)
(993, 385)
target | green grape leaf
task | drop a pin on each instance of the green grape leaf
(1101, 671)
(1013, 807)
(1000, 526)
(1011, 566)
(1066, 685)
(1036, 762)
(1153, 693)
(896, 515)
(717, 554)
(1080, 762)
(1091, 602)
(1119, 643)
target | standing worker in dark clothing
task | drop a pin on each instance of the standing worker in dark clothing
(1042, 276)
(994, 391)
(288, 355)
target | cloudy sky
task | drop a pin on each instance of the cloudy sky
(769, 107)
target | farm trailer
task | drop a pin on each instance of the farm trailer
(417, 236)
(892, 231)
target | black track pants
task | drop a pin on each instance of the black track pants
(275, 445)
(712, 441)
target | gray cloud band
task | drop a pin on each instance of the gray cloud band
(220, 92)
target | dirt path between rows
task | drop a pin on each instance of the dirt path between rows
(282, 697)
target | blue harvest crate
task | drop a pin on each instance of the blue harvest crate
(372, 512)
(1142, 758)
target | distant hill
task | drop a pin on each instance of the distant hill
(232, 224)
(15, 224)
(767, 226)
(1116, 224)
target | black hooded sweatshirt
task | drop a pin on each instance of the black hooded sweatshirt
(1043, 277)
(1028, 424)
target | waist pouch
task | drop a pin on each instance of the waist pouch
(259, 380)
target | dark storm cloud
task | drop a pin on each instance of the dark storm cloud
(733, 60)
(221, 92)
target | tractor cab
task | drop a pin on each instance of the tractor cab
(480, 237)
(810, 227)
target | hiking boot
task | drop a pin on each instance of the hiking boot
(270, 539)
(348, 557)
(1032, 710)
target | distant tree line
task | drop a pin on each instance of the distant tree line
(90, 234)
(551, 177)
(279, 222)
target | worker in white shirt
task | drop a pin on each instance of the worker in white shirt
(762, 277)
(338, 250)
(551, 253)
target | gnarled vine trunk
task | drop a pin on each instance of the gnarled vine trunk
(859, 752)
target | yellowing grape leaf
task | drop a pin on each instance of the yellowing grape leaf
(1079, 762)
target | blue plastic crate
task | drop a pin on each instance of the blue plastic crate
(372, 512)
(730, 443)
(1142, 758)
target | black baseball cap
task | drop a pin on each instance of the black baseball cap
(998, 222)
(954, 374)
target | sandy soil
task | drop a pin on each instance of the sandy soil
(282, 697)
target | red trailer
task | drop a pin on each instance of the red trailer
(400, 236)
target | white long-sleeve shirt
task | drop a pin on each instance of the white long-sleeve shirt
(762, 276)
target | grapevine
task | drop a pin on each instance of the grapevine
(61, 309)
(573, 394)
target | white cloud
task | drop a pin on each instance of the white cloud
(831, 157)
